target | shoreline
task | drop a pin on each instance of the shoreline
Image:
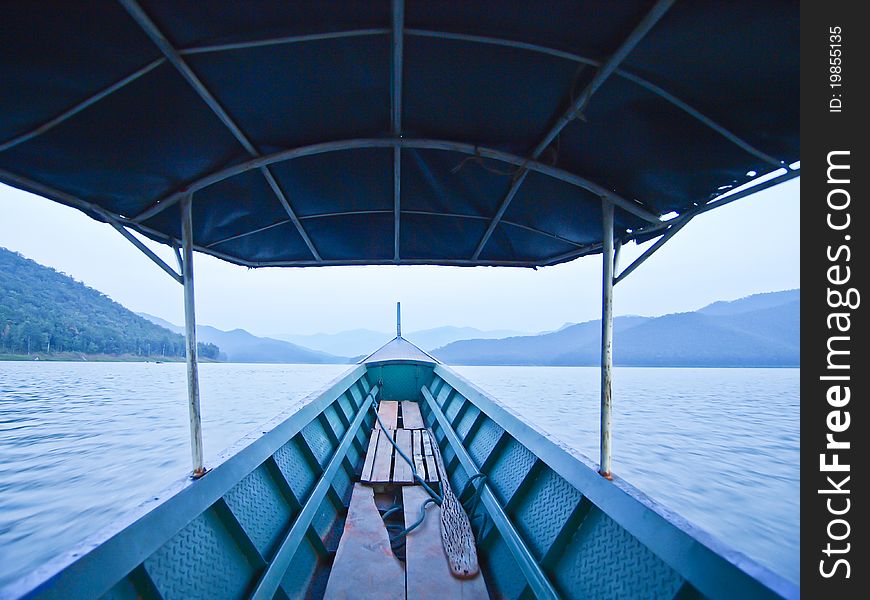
(76, 357)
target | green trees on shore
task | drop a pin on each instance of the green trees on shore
(44, 311)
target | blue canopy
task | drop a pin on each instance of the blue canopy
(318, 132)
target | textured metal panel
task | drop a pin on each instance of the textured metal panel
(342, 485)
(443, 395)
(318, 441)
(484, 441)
(298, 576)
(453, 406)
(500, 569)
(458, 478)
(123, 590)
(353, 456)
(447, 453)
(544, 509)
(509, 469)
(324, 521)
(402, 381)
(361, 439)
(260, 508)
(296, 468)
(603, 560)
(435, 386)
(467, 421)
(346, 406)
(357, 396)
(201, 561)
(338, 427)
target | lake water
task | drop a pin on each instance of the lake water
(83, 443)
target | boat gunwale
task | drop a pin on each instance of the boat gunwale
(703, 560)
(152, 523)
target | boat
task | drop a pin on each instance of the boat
(320, 134)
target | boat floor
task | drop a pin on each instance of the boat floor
(365, 565)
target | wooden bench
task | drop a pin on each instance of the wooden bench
(365, 566)
(427, 572)
(391, 411)
(383, 465)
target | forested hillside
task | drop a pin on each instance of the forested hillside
(46, 312)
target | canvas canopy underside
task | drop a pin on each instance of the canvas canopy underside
(418, 132)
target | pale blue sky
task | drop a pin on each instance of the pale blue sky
(749, 246)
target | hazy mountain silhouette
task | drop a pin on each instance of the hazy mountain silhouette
(760, 330)
(357, 342)
(239, 345)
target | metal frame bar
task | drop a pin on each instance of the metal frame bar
(74, 110)
(172, 55)
(284, 40)
(506, 43)
(382, 211)
(55, 194)
(672, 227)
(271, 578)
(147, 251)
(537, 580)
(606, 338)
(668, 234)
(607, 68)
(604, 71)
(116, 221)
(190, 339)
(398, 11)
(627, 75)
(630, 206)
(648, 85)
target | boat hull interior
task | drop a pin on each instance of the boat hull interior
(266, 521)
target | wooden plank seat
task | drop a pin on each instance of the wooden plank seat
(364, 565)
(388, 411)
(426, 568)
(392, 411)
(383, 465)
(411, 417)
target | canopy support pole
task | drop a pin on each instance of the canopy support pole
(606, 336)
(190, 337)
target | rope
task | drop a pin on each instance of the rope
(398, 540)
(474, 501)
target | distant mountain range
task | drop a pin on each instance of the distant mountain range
(240, 346)
(356, 342)
(759, 330)
(47, 313)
